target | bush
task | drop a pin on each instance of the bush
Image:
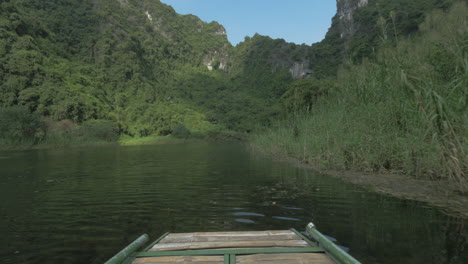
(100, 129)
(303, 94)
(17, 123)
(180, 131)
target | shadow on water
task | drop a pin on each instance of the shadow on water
(83, 205)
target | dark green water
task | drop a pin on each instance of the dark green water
(84, 205)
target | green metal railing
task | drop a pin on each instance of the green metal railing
(335, 251)
(129, 250)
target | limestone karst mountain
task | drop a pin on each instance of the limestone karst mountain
(148, 69)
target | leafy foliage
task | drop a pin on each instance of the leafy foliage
(386, 20)
(181, 131)
(303, 94)
(100, 129)
(17, 123)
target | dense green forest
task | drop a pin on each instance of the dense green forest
(71, 63)
(385, 89)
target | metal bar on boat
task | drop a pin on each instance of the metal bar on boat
(126, 252)
(336, 252)
(232, 259)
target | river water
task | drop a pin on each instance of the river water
(83, 205)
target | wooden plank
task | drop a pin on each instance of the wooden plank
(180, 259)
(235, 233)
(246, 248)
(188, 239)
(202, 262)
(156, 241)
(291, 258)
(241, 251)
(304, 238)
(229, 244)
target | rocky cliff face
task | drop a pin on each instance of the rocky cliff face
(347, 25)
(217, 58)
(200, 42)
(345, 9)
(344, 24)
(301, 70)
(301, 60)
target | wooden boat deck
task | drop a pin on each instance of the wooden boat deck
(286, 247)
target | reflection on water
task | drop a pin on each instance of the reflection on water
(286, 218)
(243, 220)
(247, 214)
(83, 205)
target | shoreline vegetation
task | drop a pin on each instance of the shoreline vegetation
(22, 130)
(87, 142)
(123, 141)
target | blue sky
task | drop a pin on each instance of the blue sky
(298, 21)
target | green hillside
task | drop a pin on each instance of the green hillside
(137, 64)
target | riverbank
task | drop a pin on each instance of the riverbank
(25, 146)
(149, 140)
(441, 194)
(171, 139)
(123, 141)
